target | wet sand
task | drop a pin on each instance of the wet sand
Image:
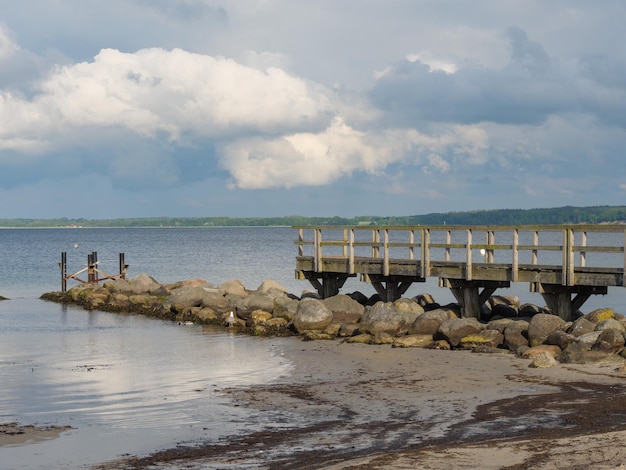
(18, 434)
(349, 406)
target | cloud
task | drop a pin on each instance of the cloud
(526, 91)
(154, 105)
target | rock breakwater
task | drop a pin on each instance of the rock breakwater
(529, 331)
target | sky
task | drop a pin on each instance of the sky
(263, 108)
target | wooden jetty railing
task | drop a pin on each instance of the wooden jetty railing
(473, 261)
(94, 274)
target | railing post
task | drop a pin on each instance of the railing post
(351, 262)
(448, 241)
(375, 243)
(345, 242)
(535, 243)
(317, 250)
(491, 240)
(386, 252)
(300, 242)
(411, 243)
(568, 258)
(425, 252)
(583, 242)
(468, 265)
(515, 266)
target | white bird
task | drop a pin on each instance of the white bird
(75, 245)
(231, 318)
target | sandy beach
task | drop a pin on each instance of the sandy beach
(349, 406)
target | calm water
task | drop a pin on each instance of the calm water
(128, 384)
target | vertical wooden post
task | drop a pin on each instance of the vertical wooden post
(515, 267)
(411, 243)
(468, 262)
(300, 240)
(123, 266)
(491, 240)
(535, 243)
(386, 252)
(375, 243)
(317, 250)
(90, 267)
(351, 261)
(583, 242)
(425, 252)
(345, 243)
(95, 266)
(448, 241)
(63, 267)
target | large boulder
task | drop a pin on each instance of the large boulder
(609, 340)
(600, 314)
(453, 331)
(196, 296)
(581, 326)
(285, 307)
(344, 308)
(383, 316)
(409, 309)
(428, 323)
(140, 284)
(560, 338)
(484, 338)
(413, 341)
(233, 287)
(540, 326)
(514, 338)
(244, 306)
(312, 314)
(269, 285)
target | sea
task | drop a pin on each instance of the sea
(131, 385)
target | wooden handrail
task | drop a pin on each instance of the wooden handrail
(445, 243)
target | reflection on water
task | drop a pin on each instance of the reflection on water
(126, 384)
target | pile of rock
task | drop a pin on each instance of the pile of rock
(527, 330)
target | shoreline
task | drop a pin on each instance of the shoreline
(14, 434)
(350, 406)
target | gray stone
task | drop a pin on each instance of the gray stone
(540, 326)
(484, 338)
(455, 330)
(413, 341)
(344, 308)
(600, 314)
(580, 326)
(560, 338)
(514, 338)
(233, 287)
(383, 316)
(613, 339)
(312, 314)
(244, 306)
(428, 323)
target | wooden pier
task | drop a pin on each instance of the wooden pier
(565, 263)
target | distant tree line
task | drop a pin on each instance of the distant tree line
(557, 215)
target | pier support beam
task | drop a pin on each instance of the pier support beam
(326, 284)
(391, 288)
(468, 293)
(559, 298)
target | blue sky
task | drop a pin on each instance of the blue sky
(142, 108)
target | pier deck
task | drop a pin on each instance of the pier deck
(558, 261)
